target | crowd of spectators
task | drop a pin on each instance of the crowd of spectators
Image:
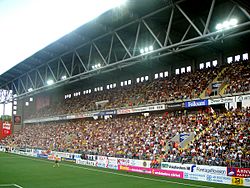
(185, 86)
(237, 77)
(220, 138)
(225, 141)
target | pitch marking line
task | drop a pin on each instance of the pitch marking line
(10, 185)
(126, 175)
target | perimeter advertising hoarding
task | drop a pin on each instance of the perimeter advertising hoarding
(157, 172)
(238, 172)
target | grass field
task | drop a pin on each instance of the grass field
(26, 172)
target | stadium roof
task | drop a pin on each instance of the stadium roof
(114, 40)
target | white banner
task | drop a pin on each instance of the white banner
(242, 98)
(221, 100)
(177, 166)
(142, 109)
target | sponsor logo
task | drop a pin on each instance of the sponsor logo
(211, 170)
(237, 181)
(196, 103)
(238, 172)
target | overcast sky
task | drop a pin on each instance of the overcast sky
(26, 26)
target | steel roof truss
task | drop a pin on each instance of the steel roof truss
(81, 61)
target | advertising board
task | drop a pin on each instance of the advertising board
(196, 103)
(157, 172)
(238, 172)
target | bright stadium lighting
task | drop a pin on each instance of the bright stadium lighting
(146, 50)
(99, 65)
(93, 67)
(50, 82)
(219, 26)
(151, 48)
(227, 24)
(64, 77)
(141, 51)
(30, 89)
(233, 22)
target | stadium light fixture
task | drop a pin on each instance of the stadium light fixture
(30, 89)
(146, 49)
(226, 24)
(96, 66)
(50, 82)
(63, 77)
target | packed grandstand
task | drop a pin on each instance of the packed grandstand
(157, 87)
(221, 136)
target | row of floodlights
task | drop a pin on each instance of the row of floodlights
(226, 24)
(146, 49)
(96, 66)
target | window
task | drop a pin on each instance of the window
(114, 85)
(129, 82)
(208, 64)
(229, 60)
(95, 89)
(189, 69)
(177, 71)
(14, 107)
(15, 102)
(107, 86)
(14, 112)
(121, 83)
(166, 74)
(89, 90)
(126, 83)
(245, 56)
(183, 70)
(146, 78)
(137, 80)
(110, 86)
(31, 99)
(101, 88)
(156, 76)
(201, 65)
(215, 62)
(142, 79)
(161, 74)
(237, 58)
(26, 103)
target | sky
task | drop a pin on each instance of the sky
(26, 26)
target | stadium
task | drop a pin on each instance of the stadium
(153, 93)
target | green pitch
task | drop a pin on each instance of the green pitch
(26, 172)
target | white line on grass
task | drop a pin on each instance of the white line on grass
(6, 185)
(18, 186)
(10, 185)
(126, 175)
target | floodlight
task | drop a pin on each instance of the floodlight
(219, 26)
(30, 89)
(63, 77)
(99, 65)
(146, 49)
(226, 24)
(50, 82)
(233, 22)
(141, 51)
(151, 48)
